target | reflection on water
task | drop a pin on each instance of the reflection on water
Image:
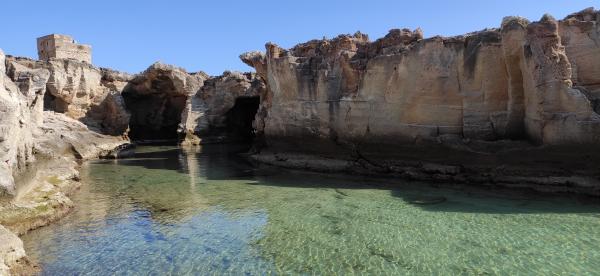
(206, 211)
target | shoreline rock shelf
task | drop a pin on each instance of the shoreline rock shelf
(516, 106)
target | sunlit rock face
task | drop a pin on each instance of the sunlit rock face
(580, 35)
(223, 110)
(524, 81)
(81, 92)
(84, 92)
(12, 254)
(156, 100)
(21, 113)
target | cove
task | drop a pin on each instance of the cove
(205, 210)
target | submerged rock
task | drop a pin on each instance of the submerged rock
(427, 200)
(122, 151)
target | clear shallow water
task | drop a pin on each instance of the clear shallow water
(204, 211)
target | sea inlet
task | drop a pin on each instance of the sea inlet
(206, 210)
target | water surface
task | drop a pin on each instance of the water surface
(205, 211)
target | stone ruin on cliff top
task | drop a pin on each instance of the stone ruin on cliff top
(63, 47)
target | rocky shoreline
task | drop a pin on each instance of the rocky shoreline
(546, 179)
(42, 151)
(42, 191)
(515, 106)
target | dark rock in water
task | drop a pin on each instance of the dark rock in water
(122, 151)
(428, 200)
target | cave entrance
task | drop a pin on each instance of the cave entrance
(52, 103)
(154, 117)
(240, 117)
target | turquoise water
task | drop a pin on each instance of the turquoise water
(204, 211)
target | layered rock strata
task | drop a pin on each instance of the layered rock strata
(471, 103)
(84, 92)
(515, 106)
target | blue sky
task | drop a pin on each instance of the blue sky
(210, 35)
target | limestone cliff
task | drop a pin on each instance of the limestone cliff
(14, 257)
(157, 99)
(508, 83)
(84, 92)
(21, 104)
(517, 105)
(224, 108)
(168, 103)
(39, 148)
(474, 102)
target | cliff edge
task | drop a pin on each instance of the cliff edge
(504, 105)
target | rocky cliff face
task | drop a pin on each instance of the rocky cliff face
(513, 96)
(168, 103)
(84, 92)
(157, 98)
(162, 103)
(14, 257)
(39, 148)
(224, 108)
(21, 106)
(580, 35)
(515, 82)
(518, 105)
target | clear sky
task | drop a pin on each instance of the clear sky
(130, 35)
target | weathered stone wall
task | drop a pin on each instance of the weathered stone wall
(63, 47)
(510, 83)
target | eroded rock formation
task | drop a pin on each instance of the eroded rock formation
(465, 101)
(21, 104)
(167, 103)
(157, 98)
(513, 82)
(517, 106)
(84, 92)
(224, 109)
(39, 150)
